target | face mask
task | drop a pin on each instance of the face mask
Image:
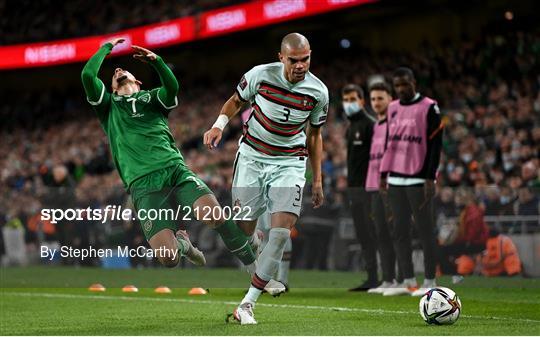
(508, 165)
(536, 106)
(490, 161)
(466, 157)
(351, 108)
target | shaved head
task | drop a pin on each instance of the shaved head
(294, 41)
(295, 55)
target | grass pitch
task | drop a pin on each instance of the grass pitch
(55, 301)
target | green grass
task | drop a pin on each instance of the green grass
(55, 301)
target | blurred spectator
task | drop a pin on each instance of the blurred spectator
(472, 232)
(500, 257)
(528, 204)
(444, 202)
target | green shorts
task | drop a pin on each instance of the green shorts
(162, 197)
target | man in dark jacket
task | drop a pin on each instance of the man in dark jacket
(359, 136)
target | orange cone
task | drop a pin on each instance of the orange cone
(162, 290)
(130, 289)
(197, 291)
(97, 287)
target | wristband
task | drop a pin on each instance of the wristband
(221, 122)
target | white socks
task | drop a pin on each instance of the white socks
(410, 282)
(268, 262)
(252, 295)
(285, 265)
(272, 253)
(429, 283)
(252, 268)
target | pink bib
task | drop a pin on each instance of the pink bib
(407, 137)
(376, 153)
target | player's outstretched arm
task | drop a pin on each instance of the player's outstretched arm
(89, 76)
(228, 111)
(315, 147)
(168, 91)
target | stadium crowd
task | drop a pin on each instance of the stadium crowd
(51, 20)
(488, 91)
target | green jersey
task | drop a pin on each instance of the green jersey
(136, 125)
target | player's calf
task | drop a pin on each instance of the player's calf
(234, 238)
(169, 248)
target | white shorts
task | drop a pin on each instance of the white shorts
(259, 186)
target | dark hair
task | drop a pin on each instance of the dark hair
(382, 86)
(353, 88)
(404, 72)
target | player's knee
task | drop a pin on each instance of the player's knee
(248, 226)
(284, 220)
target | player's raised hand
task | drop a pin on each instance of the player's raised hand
(317, 196)
(143, 54)
(212, 138)
(116, 41)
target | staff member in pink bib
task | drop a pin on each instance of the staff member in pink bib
(380, 95)
(408, 169)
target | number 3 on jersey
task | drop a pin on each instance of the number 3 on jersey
(287, 114)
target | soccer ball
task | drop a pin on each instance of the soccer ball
(440, 306)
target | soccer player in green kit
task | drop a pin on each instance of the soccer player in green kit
(148, 161)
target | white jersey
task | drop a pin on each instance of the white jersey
(281, 110)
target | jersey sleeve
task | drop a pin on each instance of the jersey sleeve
(102, 101)
(96, 93)
(167, 94)
(318, 116)
(434, 141)
(247, 87)
(158, 102)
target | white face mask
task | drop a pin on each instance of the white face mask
(466, 157)
(351, 108)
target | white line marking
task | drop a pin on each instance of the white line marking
(286, 306)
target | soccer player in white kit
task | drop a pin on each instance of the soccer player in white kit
(270, 165)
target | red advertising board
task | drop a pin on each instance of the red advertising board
(265, 12)
(212, 23)
(80, 49)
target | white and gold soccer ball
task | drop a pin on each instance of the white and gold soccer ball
(440, 306)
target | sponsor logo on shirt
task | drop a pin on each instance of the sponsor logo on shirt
(148, 226)
(243, 83)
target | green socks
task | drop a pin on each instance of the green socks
(236, 241)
